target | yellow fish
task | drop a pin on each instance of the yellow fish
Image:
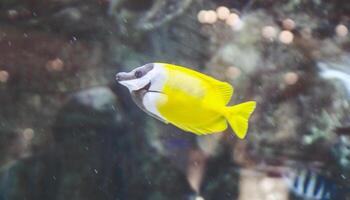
(190, 100)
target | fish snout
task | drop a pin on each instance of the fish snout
(118, 77)
(124, 76)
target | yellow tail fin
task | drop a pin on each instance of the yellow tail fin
(238, 116)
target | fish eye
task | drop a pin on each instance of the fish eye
(138, 74)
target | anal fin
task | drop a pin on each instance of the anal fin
(218, 125)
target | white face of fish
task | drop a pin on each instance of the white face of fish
(146, 83)
(136, 79)
(146, 76)
(136, 84)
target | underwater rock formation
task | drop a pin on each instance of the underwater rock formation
(94, 156)
(146, 15)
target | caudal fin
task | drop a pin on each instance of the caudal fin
(238, 116)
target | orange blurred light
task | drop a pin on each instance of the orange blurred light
(55, 65)
(207, 16)
(269, 32)
(233, 72)
(286, 37)
(222, 12)
(288, 24)
(341, 30)
(4, 76)
(232, 19)
(211, 17)
(291, 78)
(201, 16)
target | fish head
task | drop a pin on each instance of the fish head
(139, 78)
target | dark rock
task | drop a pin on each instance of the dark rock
(95, 155)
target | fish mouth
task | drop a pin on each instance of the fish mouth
(147, 87)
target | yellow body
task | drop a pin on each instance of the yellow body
(198, 103)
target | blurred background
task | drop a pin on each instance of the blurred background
(69, 131)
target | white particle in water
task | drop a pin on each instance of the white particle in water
(199, 198)
(343, 176)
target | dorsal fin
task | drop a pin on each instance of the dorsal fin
(226, 90)
(222, 88)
